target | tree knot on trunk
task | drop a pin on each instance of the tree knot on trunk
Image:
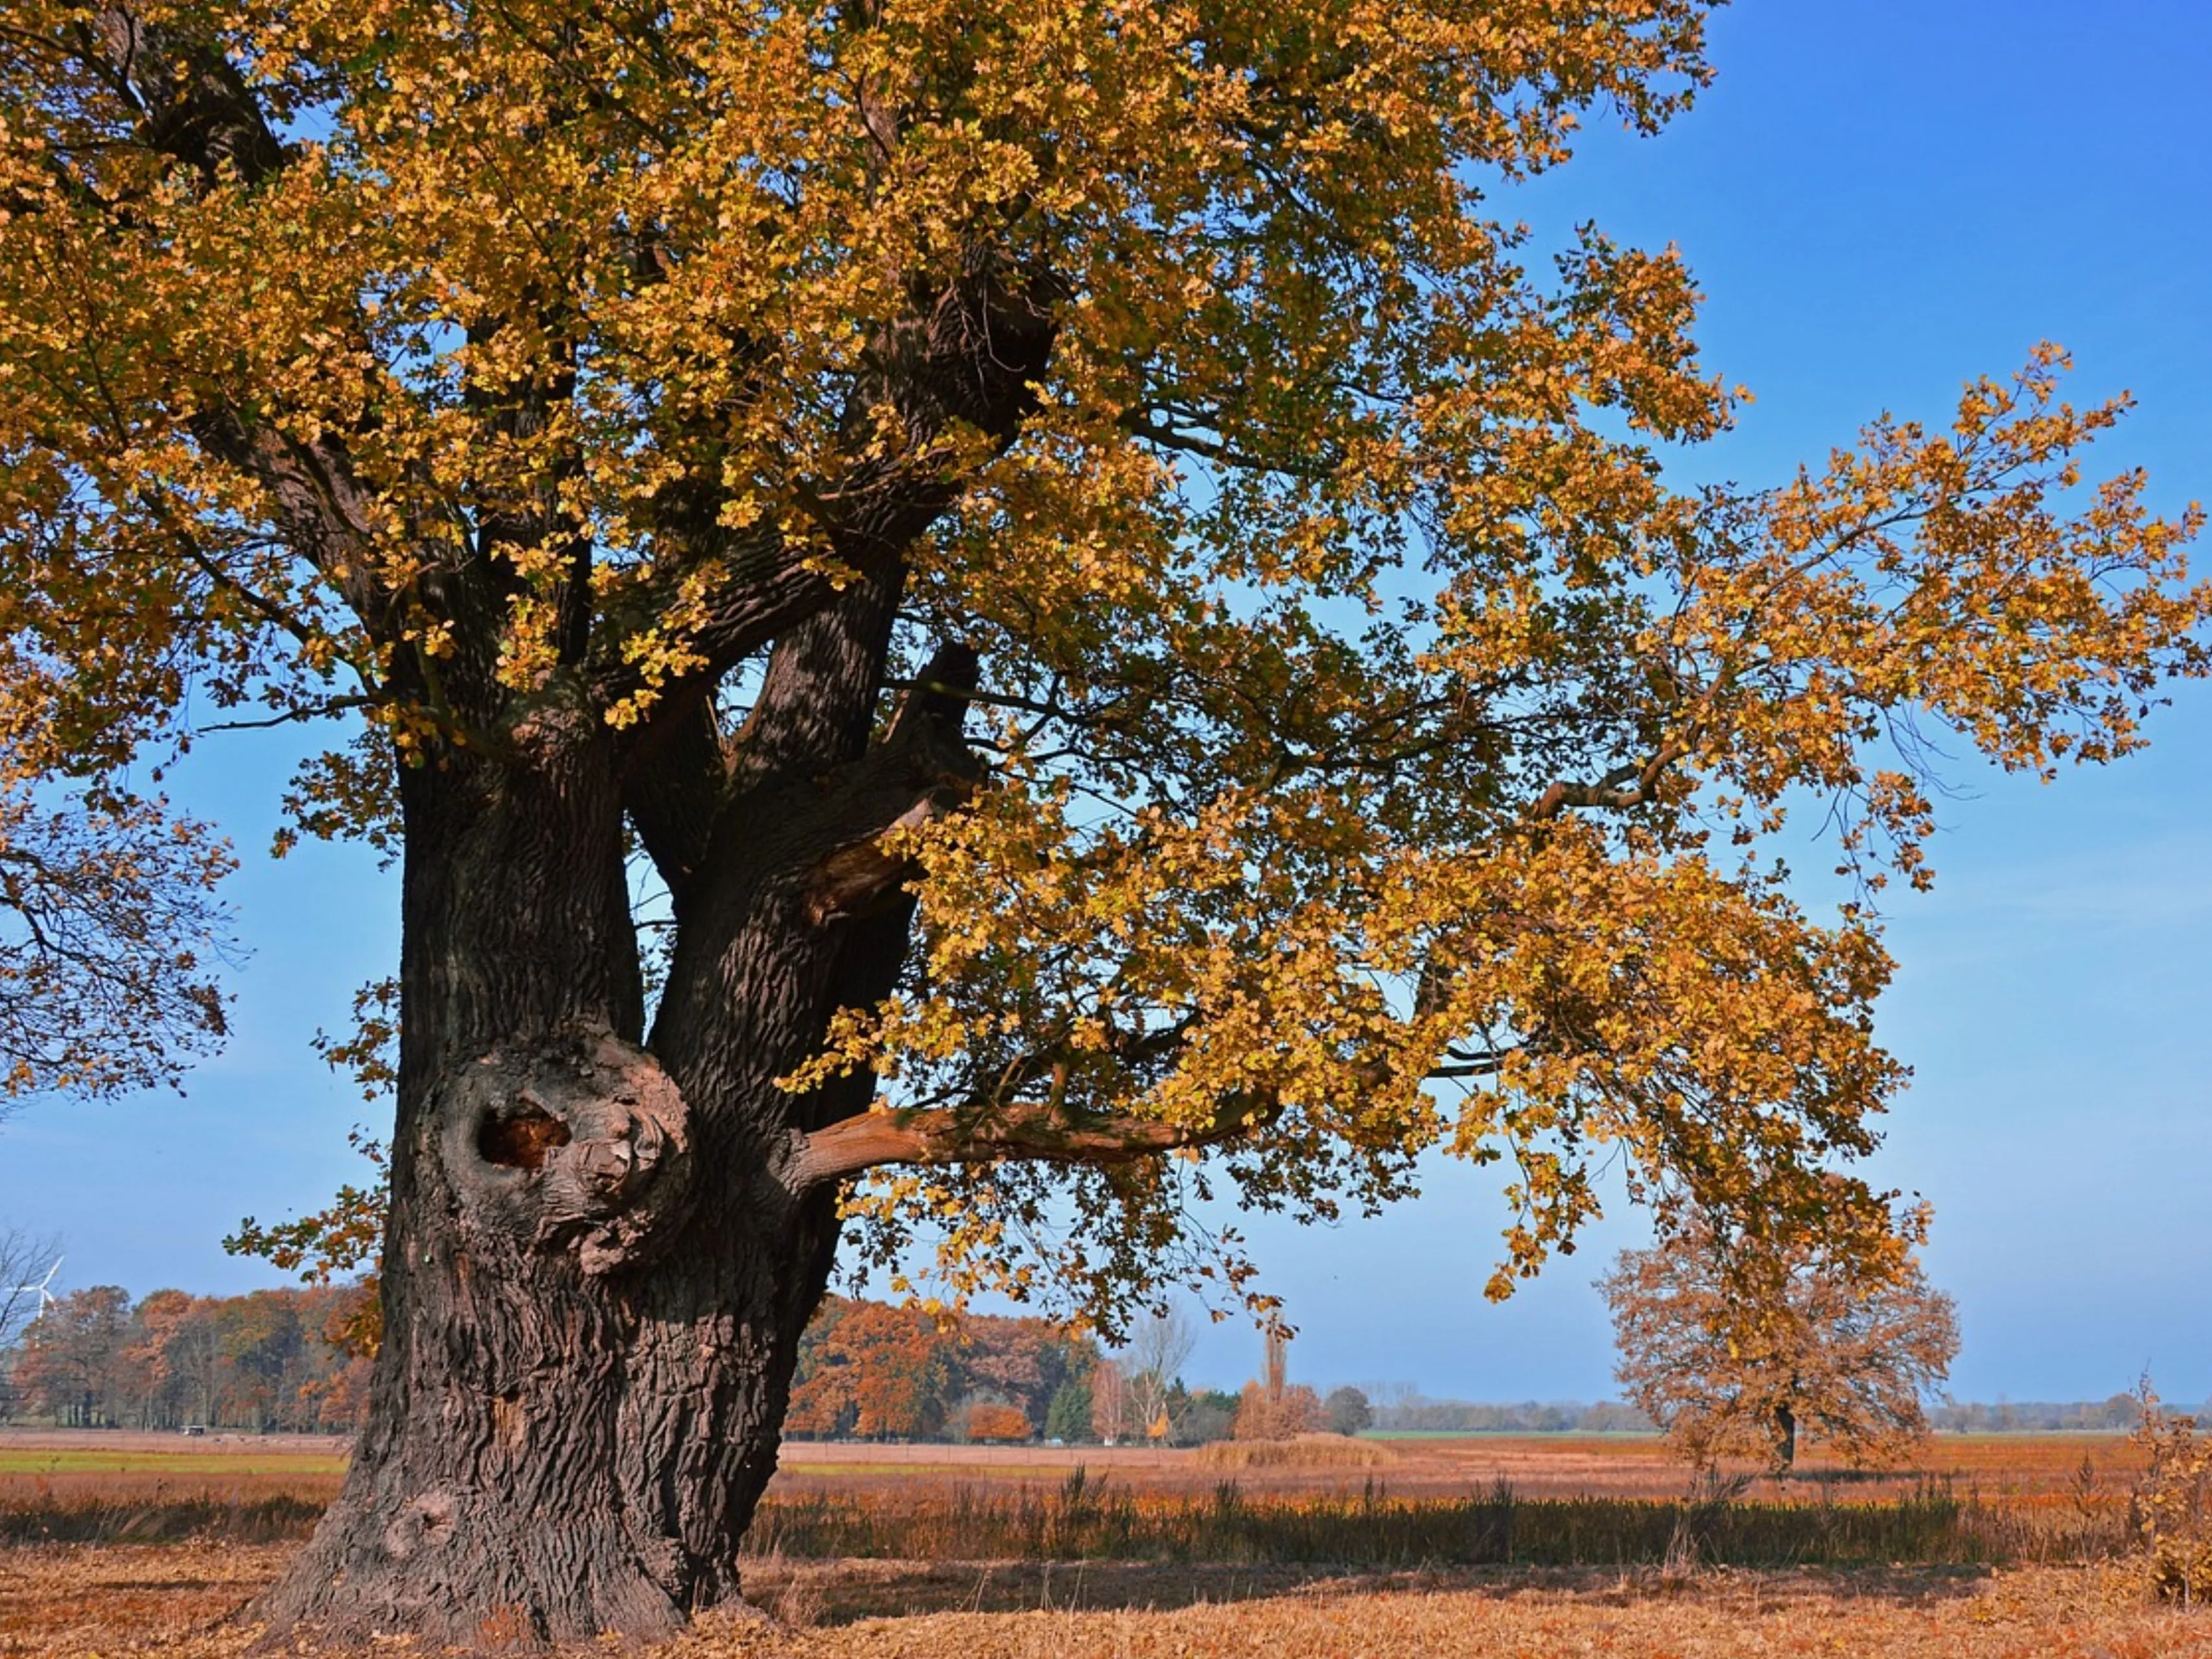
(578, 1140)
(425, 1521)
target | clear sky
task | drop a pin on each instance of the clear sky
(1880, 198)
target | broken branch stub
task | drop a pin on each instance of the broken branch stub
(581, 1140)
(856, 878)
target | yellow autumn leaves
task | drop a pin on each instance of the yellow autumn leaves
(1372, 727)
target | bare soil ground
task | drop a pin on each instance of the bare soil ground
(66, 1603)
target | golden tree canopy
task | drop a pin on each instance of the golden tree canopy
(1379, 752)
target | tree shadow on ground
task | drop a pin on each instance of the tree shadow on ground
(808, 1593)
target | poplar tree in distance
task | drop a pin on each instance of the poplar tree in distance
(972, 623)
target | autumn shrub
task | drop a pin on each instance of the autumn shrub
(1278, 1414)
(2172, 1510)
(990, 1419)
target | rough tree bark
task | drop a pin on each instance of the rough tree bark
(602, 1253)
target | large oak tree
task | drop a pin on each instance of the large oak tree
(1109, 630)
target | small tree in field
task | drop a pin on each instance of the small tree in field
(1272, 1407)
(1262, 1415)
(1348, 1411)
(1736, 1345)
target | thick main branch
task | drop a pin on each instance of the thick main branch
(1032, 1131)
(968, 357)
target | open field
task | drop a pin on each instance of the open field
(281, 1481)
(2036, 1469)
(1574, 1465)
(2021, 1466)
(1510, 1545)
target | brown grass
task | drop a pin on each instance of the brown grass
(80, 1486)
(1371, 1527)
(2041, 1468)
(1304, 1451)
(1180, 1561)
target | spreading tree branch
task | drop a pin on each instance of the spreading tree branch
(969, 356)
(1032, 1131)
(1618, 790)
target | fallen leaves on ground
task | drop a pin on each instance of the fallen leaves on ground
(178, 1601)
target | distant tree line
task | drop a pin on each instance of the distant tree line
(292, 1360)
(270, 1360)
(2122, 1411)
(871, 1371)
(1401, 1411)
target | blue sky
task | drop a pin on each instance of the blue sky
(1881, 200)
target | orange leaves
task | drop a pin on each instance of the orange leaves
(873, 1370)
(1964, 573)
(1734, 1339)
(878, 1371)
(1372, 729)
(988, 1421)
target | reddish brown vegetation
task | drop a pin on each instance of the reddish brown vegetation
(72, 1601)
(1296, 1410)
(993, 1422)
(282, 1359)
(873, 1372)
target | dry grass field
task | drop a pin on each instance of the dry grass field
(2040, 1470)
(101, 1602)
(1547, 1465)
(125, 1596)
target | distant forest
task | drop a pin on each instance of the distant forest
(292, 1360)
(273, 1360)
(1399, 1411)
(871, 1370)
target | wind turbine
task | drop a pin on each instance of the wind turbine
(46, 1297)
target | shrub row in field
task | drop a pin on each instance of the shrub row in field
(100, 1521)
(1085, 1520)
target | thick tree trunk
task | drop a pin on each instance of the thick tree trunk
(594, 1282)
